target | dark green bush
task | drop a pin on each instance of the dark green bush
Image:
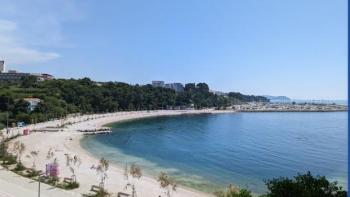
(101, 193)
(233, 192)
(69, 186)
(19, 167)
(303, 185)
(52, 180)
(32, 173)
(9, 160)
(3, 150)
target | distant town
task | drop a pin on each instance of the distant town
(286, 103)
(288, 107)
(273, 104)
(178, 87)
(13, 75)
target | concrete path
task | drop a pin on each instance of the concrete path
(13, 185)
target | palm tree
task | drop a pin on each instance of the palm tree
(50, 154)
(126, 173)
(34, 155)
(73, 163)
(76, 164)
(167, 183)
(101, 170)
(136, 173)
(19, 148)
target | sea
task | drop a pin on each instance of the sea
(208, 152)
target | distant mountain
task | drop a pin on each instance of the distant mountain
(278, 99)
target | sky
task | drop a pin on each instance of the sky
(294, 48)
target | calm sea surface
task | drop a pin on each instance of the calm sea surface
(208, 152)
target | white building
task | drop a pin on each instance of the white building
(158, 83)
(33, 102)
(2, 66)
(178, 87)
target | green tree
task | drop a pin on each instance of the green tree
(21, 106)
(63, 96)
(202, 87)
(29, 81)
(304, 185)
(5, 102)
(190, 87)
(167, 184)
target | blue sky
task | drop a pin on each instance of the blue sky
(295, 48)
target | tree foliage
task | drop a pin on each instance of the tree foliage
(304, 185)
(101, 169)
(167, 183)
(63, 96)
(234, 192)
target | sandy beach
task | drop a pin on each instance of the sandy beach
(67, 141)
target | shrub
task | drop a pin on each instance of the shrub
(52, 180)
(69, 186)
(3, 150)
(101, 193)
(233, 192)
(19, 167)
(9, 160)
(304, 185)
(32, 173)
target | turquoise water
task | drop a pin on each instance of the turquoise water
(208, 152)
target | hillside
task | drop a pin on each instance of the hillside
(64, 96)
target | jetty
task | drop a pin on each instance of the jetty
(96, 131)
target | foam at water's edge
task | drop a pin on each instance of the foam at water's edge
(151, 169)
(242, 148)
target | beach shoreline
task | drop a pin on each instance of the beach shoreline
(67, 141)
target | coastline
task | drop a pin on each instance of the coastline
(68, 142)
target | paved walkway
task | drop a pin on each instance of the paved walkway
(13, 185)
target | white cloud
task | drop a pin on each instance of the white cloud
(7, 26)
(31, 31)
(15, 52)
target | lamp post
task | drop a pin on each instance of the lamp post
(39, 188)
(39, 181)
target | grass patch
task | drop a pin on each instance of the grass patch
(101, 193)
(69, 186)
(52, 181)
(19, 167)
(9, 160)
(32, 173)
(11, 138)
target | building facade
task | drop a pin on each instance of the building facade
(158, 83)
(2, 66)
(12, 75)
(33, 102)
(178, 87)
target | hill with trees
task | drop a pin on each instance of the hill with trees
(60, 97)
